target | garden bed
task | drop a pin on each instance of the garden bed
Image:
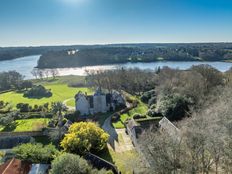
(140, 109)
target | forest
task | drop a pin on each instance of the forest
(197, 101)
(56, 56)
(114, 54)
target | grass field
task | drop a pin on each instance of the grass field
(125, 161)
(26, 125)
(60, 92)
(71, 102)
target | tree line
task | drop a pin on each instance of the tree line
(136, 53)
(44, 73)
(13, 80)
(204, 145)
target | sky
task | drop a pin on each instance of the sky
(68, 22)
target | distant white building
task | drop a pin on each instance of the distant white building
(72, 52)
(99, 102)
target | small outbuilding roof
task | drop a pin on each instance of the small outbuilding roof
(169, 127)
(15, 166)
(39, 169)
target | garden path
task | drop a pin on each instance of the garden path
(119, 141)
(71, 108)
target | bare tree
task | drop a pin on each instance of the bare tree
(46, 73)
(133, 81)
(206, 142)
(41, 74)
(54, 73)
(34, 72)
(162, 151)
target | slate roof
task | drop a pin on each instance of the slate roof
(132, 124)
(108, 98)
(90, 99)
(169, 127)
(39, 169)
(100, 163)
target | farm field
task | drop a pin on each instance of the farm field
(26, 125)
(60, 92)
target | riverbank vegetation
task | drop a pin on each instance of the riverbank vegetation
(136, 53)
(140, 52)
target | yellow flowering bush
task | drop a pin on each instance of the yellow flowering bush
(84, 137)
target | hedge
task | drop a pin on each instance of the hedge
(10, 142)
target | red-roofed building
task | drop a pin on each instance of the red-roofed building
(15, 166)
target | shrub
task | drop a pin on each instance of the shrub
(38, 92)
(64, 120)
(151, 113)
(173, 106)
(138, 116)
(10, 142)
(2, 104)
(153, 106)
(147, 96)
(127, 120)
(34, 115)
(25, 85)
(72, 164)
(2, 154)
(84, 137)
(72, 116)
(8, 118)
(52, 123)
(135, 103)
(77, 84)
(129, 99)
(115, 117)
(36, 153)
(152, 101)
(23, 107)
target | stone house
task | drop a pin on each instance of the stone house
(99, 102)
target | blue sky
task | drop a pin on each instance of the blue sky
(62, 22)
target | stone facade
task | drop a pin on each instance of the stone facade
(82, 104)
(99, 102)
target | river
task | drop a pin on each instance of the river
(25, 65)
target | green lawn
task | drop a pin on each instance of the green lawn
(1, 128)
(125, 161)
(71, 102)
(140, 109)
(26, 125)
(60, 92)
(61, 80)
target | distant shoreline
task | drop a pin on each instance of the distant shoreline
(123, 63)
(212, 51)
